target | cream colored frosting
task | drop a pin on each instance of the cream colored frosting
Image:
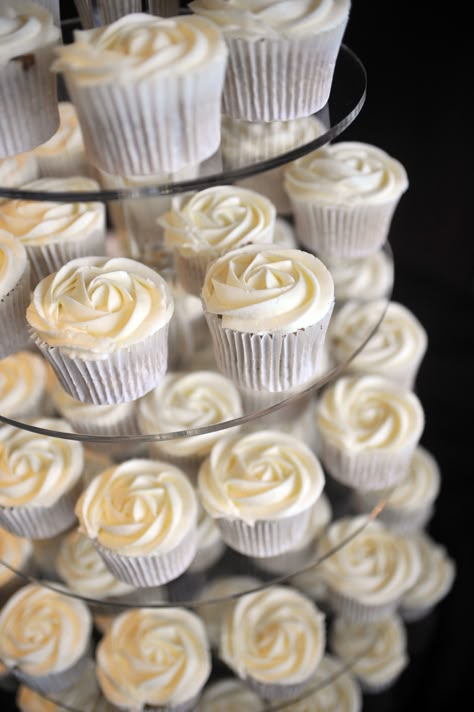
(274, 636)
(13, 262)
(95, 305)
(438, 571)
(22, 384)
(229, 695)
(14, 551)
(377, 652)
(337, 690)
(138, 46)
(374, 566)
(24, 27)
(370, 413)
(346, 173)
(364, 279)
(89, 415)
(42, 631)
(264, 475)
(19, 169)
(262, 18)
(138, 507)
(394, 351)
(83, 570)
(259, 289)
(39, 222)
(167, 660)
(36, 469)
(68, 137)
(218, 219)
(183, 401)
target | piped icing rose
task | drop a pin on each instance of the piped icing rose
(13, 262)
(264, 475)
(23, 379)
(24, 27)
(14, 551)
(95, 305)
(274, 636)
(362, 279)
(336, 688)
(260, 289)
(68, 137)
(166, 662)
(438, 571)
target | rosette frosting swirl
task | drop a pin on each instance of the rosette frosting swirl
(43, 632)
(141, 45)
(13, 262)
(338, 690)
(260, 289)
(24, 27)
(438, 571)
(374, 566)
(23, 378)
(138, 507)
(261, 18)
(229, 695)
(370, 413)
(14, 551)
(68, 137)
(95, 305)
(364, 278)
(36, 469)
(274, 636)
(36, 222)
(347, 172)
(153, 657)
(264, 475)
(219, 219)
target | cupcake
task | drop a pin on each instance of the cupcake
(167, 662)
(281, 57)
(376, 652)
(260, 489)
(268, 309)
(229, 695)
(369, 429)
(362, 279)
(63, 155)
(274, 640)
(40, 479)
(14, 294)
(17, 553)
(141, 516)
(52, 232)
(395, 351)
(103, 325)
(23, 379)
(19, 169)
(29, 98)
(210, 545)
(367, 568)
(343, 198)
(171, 71)
(333, 688)
(45, 638)
(185, 401)
(211, 223)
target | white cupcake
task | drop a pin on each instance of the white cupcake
(229, 695)
(23, 378)
(109, 344)
(362, 279)
(168, 70)
(343, 198)
(63, 155)
(268, 309)
(281, 57)
(26, 83)
(17, 553)
(14, 294)
(336, 689)
(19, 169)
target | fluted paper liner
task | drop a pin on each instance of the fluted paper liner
(358, 612)
(164, 8)
(63, 164)
(266, 537)
(274, 691)
(268, 362)
(85, 11)
(15, 335)
(55, 681)
(111, 10)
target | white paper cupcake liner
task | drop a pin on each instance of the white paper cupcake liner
(55, 681)
(274, 691)
(28, 98)
(413, 615)
(357, 612)
(123, 376)
(111, 10)
(63, 164)
(268, 362)
(280, 79)
(164, 8)
(154, 569)
(191, 272)
(188, 706)
(85, 11)
(13, 306)
(265, 537)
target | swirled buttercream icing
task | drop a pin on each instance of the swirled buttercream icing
(18, 169)
(274, 636)
(376, 652)
(23, 379)
(36, 469)
(81, 567)
(42, 631)
(260, 289)
(38, 222)
(138, 507)
(438, 571)
(14, 551)
(264, 475)
(68, 137)
(229, 695)
(218, 219)
(261, 18)
(24, 27)
(347, 173)
(363, 279)
(13, 262)
(186, 401)
(337, 690)
(368, 562)
(95, 305)
(369, 413)
(138, 46)
(153, 657)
